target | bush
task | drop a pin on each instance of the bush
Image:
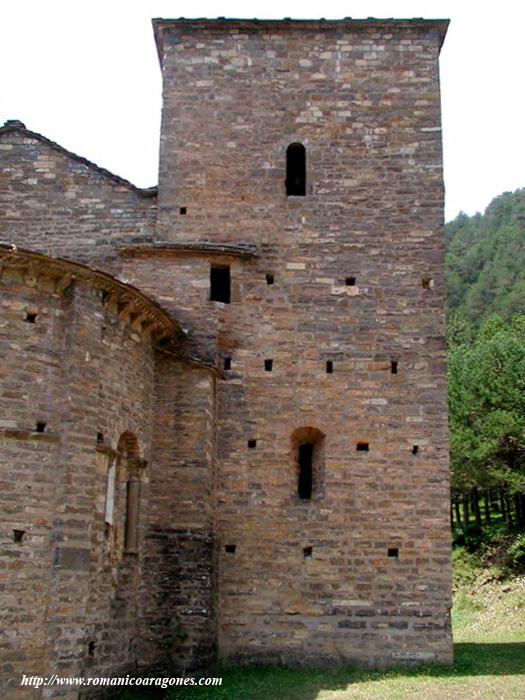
(494, 546)
(516, 552)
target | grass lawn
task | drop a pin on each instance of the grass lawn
(487, 670)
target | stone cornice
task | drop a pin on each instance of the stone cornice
(344, 25)
(129, 303)
(189, 248)
(194, 362)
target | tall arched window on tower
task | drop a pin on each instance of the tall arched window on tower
(308, 457)
(296, 170)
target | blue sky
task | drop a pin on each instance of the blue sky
(86, 75)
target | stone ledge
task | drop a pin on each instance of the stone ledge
(189, 248)
(20, 434)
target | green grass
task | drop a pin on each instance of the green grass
(487, 670)
(488, 620)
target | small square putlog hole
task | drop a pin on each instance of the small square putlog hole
(350, 281)
(40, 427)
(183, 210)
(329, 367)
(268, 365)
(427, 282)
(362, 446)
(415, 449)
(307, 552)
(252, 444)
(30, 318)
(100, 438)
(393, 366)
(18, 535)
(393, 552)
(269, 279)
(227, 363)
(230, 548)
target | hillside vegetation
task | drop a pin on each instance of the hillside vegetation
(486, 261)
(486, 358)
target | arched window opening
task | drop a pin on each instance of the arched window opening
(308, 457)
(123, 495)
(296, 170)
(128, 445)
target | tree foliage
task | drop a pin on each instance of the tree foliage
(487, 410)
(486, 261)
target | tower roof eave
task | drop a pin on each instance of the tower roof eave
(439, 26)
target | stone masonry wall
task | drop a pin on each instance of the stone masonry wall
(360, 571)
(177, 607)
(56, 203)
(29, 386)
(75, 378)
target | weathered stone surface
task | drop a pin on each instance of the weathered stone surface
(333, 336)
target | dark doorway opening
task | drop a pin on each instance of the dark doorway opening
(220, 287)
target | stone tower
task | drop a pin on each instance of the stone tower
(316, 145)
(236, 443)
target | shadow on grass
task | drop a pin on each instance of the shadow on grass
(280, 683)
(503, 659)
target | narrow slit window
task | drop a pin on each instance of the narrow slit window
(269, 279)
(329, 367)
(306, 451)
(307, 551)
(220, 286)
(100, 438)
(308, 459)
(362, 447)
(227, 363)
(415, 449)
(132, 514)
(230, 548)
(393, 366)
(296, 170)
(268, 365)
